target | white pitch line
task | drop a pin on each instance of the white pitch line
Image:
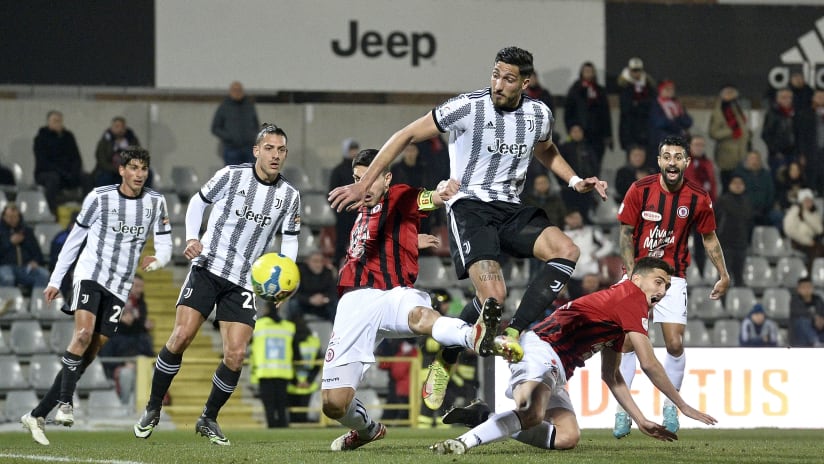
(34, 457)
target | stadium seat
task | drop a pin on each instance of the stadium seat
(60, 335)
(513, 300)
(94, 378)
(739, 301)
(19, 402)
(177, 210)
(604, 213)
(27, 338)
(696, 334)
(44, 232)
(818, 273)
(42, 370)
(107, 405)
(12, 304)
(776, 302)
(433, 273)
(789, 269)
(299, 178)
(179, 245)
(767, 242)
(33, 206)
(710, 273)
(725, 333)
(656, 337)
(3, 199)
(694, 277)
(516, 273)
(43, 311)
(700, 305)
(377, 379)
(316, 210)
(757, 273)
(323, 329)
(185, 181)
(4, 345)
(11, 374)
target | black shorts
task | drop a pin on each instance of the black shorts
(88, 295)
(204, 292)
(481, 230)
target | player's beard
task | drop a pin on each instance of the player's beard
(678, 179)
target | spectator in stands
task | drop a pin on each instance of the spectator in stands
(541, 195)
(702, 171)
(6, 177)
(412, 170)
(803, 225)
(635, 169)
(757, 329)
(813, 333)
(587, 106)
(310, 350)
(236, 124)
(57, 163)
(789, 181)
(728, 127)
(582, 158)
(114, 139)
(637, 92)
(133, 338)
(593, 245)
(760, 190)
(734, 218)
(667, 117)
(804, 304)
(802, 92)
(317, 293)
(812, 144)
(780, 130)
(21, 259)
(342, 175)
(272, 355)
(535, 90)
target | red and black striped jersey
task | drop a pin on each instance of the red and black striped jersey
(583, 327)
(663, 220)
(383, 244)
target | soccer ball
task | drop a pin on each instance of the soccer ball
(275, 277)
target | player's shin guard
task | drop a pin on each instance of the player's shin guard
(469, 314)
(223, 385)
(541, 292)
(496, 427)
(166, 367)
(357, 418)
(540, 436)
(72, 365)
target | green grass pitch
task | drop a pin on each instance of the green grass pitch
(404, 445)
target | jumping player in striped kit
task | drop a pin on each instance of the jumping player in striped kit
(493, 135)
(115, 221)
(657, 217)
(251, 203)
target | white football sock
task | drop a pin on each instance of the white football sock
(540, 436)
(674, 368)
(497, 427)
(356, 418)
(451, 331)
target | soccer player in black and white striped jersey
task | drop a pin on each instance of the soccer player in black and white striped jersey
(493, 135)
(250, 204)
(115, 221)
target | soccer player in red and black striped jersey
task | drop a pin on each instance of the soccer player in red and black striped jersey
(657, 217)
(600, 322)
(378, 300)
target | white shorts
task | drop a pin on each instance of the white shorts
(540, 364)
(363, 319)
(673, 307)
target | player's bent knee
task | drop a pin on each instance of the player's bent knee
(335, 404)
(421, 320)
(566, 438)
(530, 417)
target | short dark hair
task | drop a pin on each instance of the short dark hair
(365, 158)
(677, 141)
(119, 118)
(648, 263)
(134, 152)
(803, 280)
(516, 57)
(269, 128)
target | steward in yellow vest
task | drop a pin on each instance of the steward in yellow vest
(271, 357)
(306, 368)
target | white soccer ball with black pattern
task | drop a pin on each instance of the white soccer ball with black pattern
(275, 277)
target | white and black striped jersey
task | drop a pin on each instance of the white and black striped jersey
(490, 149)
(246, 214)
(116, 228)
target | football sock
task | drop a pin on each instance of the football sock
(223, 384)
(540, 436)
(541, 292)
(49, 401)
(628, 367)
(674, 368)
(469, 314)
(496, 427)
(71, 372)
(357, 418)
(166, 367)
(450, 331)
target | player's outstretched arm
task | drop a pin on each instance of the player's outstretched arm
(611, 374)
(656, 374)
(713, 248)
